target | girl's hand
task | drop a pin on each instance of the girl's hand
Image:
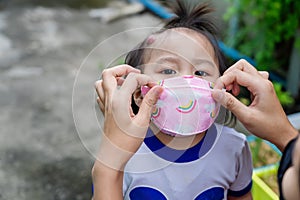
(264, 117)
(123, 131)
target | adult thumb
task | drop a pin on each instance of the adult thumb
(231, 103)
(147, 105)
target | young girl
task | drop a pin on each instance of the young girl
(175, 156)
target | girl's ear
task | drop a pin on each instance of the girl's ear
(138, 97)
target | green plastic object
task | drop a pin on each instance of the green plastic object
(260, 190)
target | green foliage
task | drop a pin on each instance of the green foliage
(121, 61)
(245, 101)
(255, 148)
(262, 153)
(284, 97)
(263, 26)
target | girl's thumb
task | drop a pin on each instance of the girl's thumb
(147, 105)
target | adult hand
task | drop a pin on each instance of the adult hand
(123, 131)
(264, 117)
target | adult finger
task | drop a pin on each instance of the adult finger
(241, 78)
(231, 103)
(242, 65)
(147, 105)
(264, 74)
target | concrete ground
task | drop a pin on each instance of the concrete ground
(49, 122)
(44, 151)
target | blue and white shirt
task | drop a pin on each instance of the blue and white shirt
(220, 164)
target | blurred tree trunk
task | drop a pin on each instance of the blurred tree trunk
(293, 78)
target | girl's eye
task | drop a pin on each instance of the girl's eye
(201, 73)
(168, 71)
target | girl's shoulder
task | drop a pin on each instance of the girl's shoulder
(231, 133)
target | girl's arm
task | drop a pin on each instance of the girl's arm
(107, 182)
(123, 131)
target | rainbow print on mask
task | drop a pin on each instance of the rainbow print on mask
(187, 108)
(156, 112)
(161, 83)
(213, 113)
(212, 109)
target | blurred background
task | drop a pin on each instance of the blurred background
(48, 132)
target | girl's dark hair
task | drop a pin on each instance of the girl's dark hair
(187, 16)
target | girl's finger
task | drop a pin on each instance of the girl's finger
(120, 81)
(236, 89)
(146, 108)
(99, 90)
(110, 76)
(101, 105)
(133, 81)
(124, 94)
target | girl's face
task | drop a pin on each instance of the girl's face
(180, 51)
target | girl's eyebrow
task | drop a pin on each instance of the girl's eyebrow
(172, 59)
(199, 61)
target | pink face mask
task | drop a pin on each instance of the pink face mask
(185, 107)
